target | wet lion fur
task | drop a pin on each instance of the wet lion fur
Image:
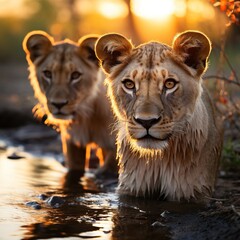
(169, 137)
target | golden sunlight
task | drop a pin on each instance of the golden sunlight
(107, 8)
(156, 10)
(17, 8)
(113, 9)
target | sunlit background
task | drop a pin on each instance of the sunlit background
(139, 20)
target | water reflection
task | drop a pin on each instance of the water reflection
(67, 222)
(85, 211)
(86, 215)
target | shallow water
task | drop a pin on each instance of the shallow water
(84, 209)
(86, 212)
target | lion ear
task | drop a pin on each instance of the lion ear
(36, 44)
(193, 48)
(112, 49)
(86, 47)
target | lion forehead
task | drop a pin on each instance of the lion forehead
(151, 54)
(148, 61)
(63, 57)
(66, 51)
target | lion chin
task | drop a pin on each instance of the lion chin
(149, 144)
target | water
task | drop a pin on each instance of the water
(87, 212)
(85, 209)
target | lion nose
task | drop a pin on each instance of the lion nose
(59, 105)
(147, 123)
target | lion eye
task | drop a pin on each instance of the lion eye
(170, 83)
(47, 74)
(75, 75)
(128, 84)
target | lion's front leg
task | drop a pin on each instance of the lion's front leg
(74, 155)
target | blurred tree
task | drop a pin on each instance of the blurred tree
(227, 87)
(74, 19)
(131, 24)
(45, 15)
(14, 28)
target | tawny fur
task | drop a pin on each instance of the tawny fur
(68, 83)
(179, 158)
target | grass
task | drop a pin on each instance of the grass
(230, 156)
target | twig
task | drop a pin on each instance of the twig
(228, 62)
(233, 102)
(234, 210)
(222, 78)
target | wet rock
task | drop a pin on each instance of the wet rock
(164, 214)
(42, 197)
(34, 205)
(55, 201)
(14, 156)
(157, 224)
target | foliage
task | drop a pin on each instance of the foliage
(231, 157)
(13, 29)
(231, 8)
(228, 87)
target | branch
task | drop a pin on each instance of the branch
(227, 60)
(222, 78)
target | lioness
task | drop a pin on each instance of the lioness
(68, 84)
(169, 139)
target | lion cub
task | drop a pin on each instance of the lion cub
(169, 138)
(68, 83)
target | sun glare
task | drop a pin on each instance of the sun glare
(153, 9)
(113, 9)
(17, 8)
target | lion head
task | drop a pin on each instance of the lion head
(64, 75)
(154, 87)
